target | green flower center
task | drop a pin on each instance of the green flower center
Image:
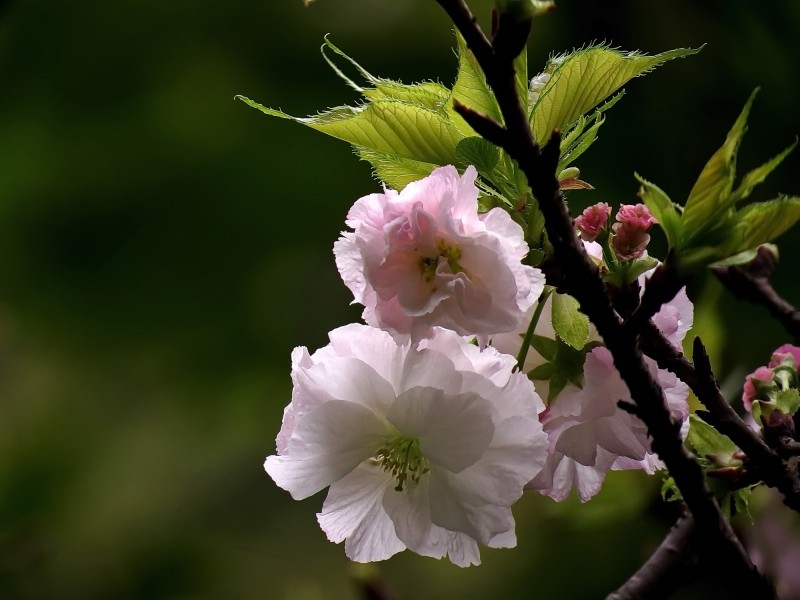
(402, 458)
(450, 253)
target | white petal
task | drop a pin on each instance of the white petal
(354, 511)
(327, 443)
(453, 430)
(353, 380)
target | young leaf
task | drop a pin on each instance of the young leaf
(585, 78)
(663, 209)
(387, 126)
(707, 441)
(395, 171)
(470, 89)
(756, 176)
(427, 94)
(711, 193)
(476, 151)
(762, 222)
(569, 323)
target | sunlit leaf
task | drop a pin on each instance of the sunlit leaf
(395, 171)
(387, 126)
(470, 89)
(762, 222)
(756, 176)
(583, 79)
(711, 193)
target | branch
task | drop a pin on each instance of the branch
(666, 569)
(758, 290)
(581, 279)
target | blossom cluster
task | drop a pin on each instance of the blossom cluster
(425, 423)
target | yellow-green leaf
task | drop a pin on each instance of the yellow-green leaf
(583, 79)
(388, 126)
(663, 209)
(711, 193)
(470, 89)
(763, 222)
(395, 171)
(756, 176)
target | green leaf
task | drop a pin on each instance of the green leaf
(395, 171)
(569, 322)
(582, 80)
(471, 90)
(427, 94)
(547, 347)
(387, 126)
(711, 193)
(543, 372)
(476, 151)
(707, 441)
(788, 401)
(581, 143)
(756, 176)
(663, 209)
(763, 222)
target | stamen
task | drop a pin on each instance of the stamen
(402, 458)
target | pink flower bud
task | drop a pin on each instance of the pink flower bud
(630, 232)
(763, 376)
(592, 221)
(636, 215)
(785, 350)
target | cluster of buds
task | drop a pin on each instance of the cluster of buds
(771, 392)
(628, 238)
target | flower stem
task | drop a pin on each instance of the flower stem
(526, 341)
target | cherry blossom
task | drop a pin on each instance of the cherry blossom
(592, 221)
(424, 447)
(424, 257)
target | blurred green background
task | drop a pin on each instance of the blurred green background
(164, 247)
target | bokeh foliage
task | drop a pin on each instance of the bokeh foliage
(163, 248)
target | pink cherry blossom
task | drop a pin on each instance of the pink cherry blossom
(589, 434)
(630, 232)
(424, 447)
(424, 257)
(592, 221)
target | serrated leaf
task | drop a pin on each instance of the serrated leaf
(581, 143)
(756, 176)
(788, 401)
(428, 94)
(476, 151)
(584, 79)
(763, 222)
(470, 89)
(708, 441)
(547, 347)
(395, 171)
(711, 193)
(387, 126)
(663, 209)
(569, 322)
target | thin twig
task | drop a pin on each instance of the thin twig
(667, 569)
(759, 290)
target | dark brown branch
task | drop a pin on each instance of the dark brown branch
(758, 290)
(581, 279)
(667, 569)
